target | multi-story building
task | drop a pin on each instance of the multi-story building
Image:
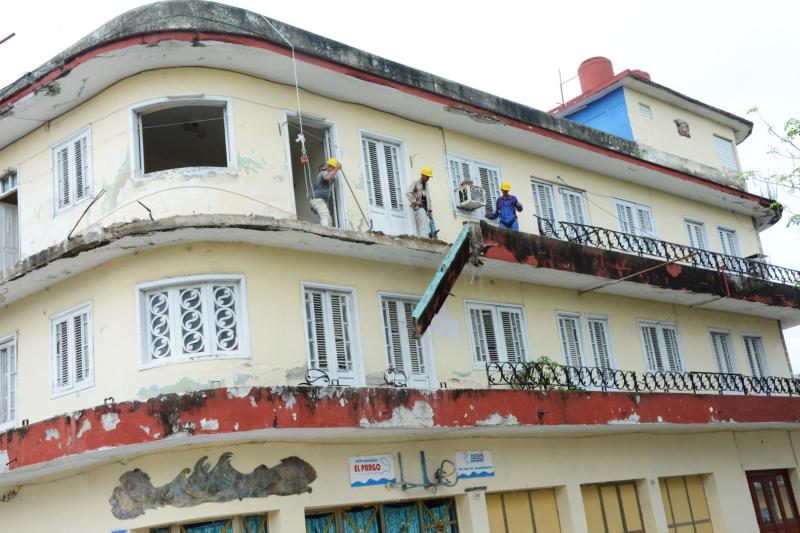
(169, 296)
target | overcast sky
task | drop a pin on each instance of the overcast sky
(731, 54)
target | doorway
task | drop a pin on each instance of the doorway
(319, 148)
(9, 221)
(386, 184)
(773, 500)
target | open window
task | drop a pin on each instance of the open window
(9, 220)
(181, 133)
(319, 148)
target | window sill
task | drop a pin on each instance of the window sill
(200, 358)
(77, 388)
(186, 172)
(70, 207)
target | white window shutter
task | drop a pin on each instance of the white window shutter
(484, 336)
(696, 234)
(721, 344)
(655, 360)
(755, 355)
(543, 198)
(340, 327)
(625, 218)
(394, 344)
(645, 218)
(726, 153)
(489, 182)
(511, 322)
(372, 173)
(574, 210)
(730, 246)
(416, 354)
(63, 177)
(81, 169)
(569, 329)
(61, 338)
(599, 337)
(315, 317)
(670, 339)
(392, 172)
(81, 347)
(6, 376)
(456, 176)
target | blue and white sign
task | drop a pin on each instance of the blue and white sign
(473, 464)
(369, 470)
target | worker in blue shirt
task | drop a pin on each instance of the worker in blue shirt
(506, 208)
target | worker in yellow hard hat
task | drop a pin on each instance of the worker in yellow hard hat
(321, 190)
(420, 201)
(506, 208)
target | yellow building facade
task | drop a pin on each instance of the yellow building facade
(169, 295)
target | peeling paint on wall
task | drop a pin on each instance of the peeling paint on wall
(110, 421)
(420, 416)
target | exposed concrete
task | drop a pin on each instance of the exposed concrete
(206, 19)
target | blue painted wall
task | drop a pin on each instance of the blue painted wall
(609, 114)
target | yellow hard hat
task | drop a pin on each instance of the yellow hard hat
(426, 171)
(505, 186)
(332, 162)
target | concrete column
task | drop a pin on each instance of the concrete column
(569, 501)
(472, 514)
(729, 502)
(655, 520)
(289, 519)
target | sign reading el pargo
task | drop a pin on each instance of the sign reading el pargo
(366, 470)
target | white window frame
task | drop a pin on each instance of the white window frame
(86, 132)
(135, 111)
(243, 352)
(427, 344)
(55, 391)
(635, 205)
(717, 138)
(731, 349)
(358, 354)
(703, 231)
(678, 344)
(13, 172)
(764, 358)
(495, 308)
(585, 338)
(562, 191)
(478, 213)
(645, 111)
(12, 420)
(580, 338)
(737, 251)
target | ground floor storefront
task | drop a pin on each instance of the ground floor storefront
(496, 480)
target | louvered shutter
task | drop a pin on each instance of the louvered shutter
(63, 177)
(543, 198)
(80, 325)
(570, 340)
(394, 344)
(573, 206)
(721, 344)
(8, 382)
(393, 176)
(598, 335)
(726, 154)
(511, 322)
(61, 338)
(484, 338)
(645, 220)
(416, 354)
(755, 355)
(82, 185)
(670, 340)
(491, 186)
(729, 244)
(655, 359)
(340, 326)
(372, 172)
(315, 319)
(625, 218)
(696, 234)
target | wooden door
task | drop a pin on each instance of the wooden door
(773, 499)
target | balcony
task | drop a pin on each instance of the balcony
(668, 251)
(548, 376)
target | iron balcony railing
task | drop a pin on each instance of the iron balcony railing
(553, 376)
(679, 253)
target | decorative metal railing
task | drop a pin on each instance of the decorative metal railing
(551, 376)
(316, 377)
(679, 253)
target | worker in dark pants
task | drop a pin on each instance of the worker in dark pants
(506, 208)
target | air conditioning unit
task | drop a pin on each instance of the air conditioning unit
(469, 196)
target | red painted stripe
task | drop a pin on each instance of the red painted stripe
(226, 411)
(189, 36)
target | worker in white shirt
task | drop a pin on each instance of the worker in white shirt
(322, 190)
(420, 201)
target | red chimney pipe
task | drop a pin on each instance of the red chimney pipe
(594, 71)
